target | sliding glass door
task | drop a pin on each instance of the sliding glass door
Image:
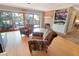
(36, 21)
(5, 20)
(18, 19)
(33, 19)
(9, 20)
(29, 18)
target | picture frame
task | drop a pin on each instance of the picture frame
(60, 16)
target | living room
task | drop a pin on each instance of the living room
(23, 24)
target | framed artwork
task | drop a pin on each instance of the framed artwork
(61, 16)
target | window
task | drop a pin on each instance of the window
(33, 19)
(18, 19)
(5, 19)
(36, 21)
(30, 18)
(10, 19)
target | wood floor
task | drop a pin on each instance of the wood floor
(59, 46)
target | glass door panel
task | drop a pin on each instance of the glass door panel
(29, 18)
(36, 21)
(6, 20)
(18, 19)
(33, 19)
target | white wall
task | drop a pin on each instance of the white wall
(73, 13)
(60, 28)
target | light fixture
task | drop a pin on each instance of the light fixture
(28, 3)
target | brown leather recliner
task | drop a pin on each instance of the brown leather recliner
(42, 44)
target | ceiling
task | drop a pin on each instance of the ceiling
(39, 6)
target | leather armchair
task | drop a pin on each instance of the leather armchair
(42, 44)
